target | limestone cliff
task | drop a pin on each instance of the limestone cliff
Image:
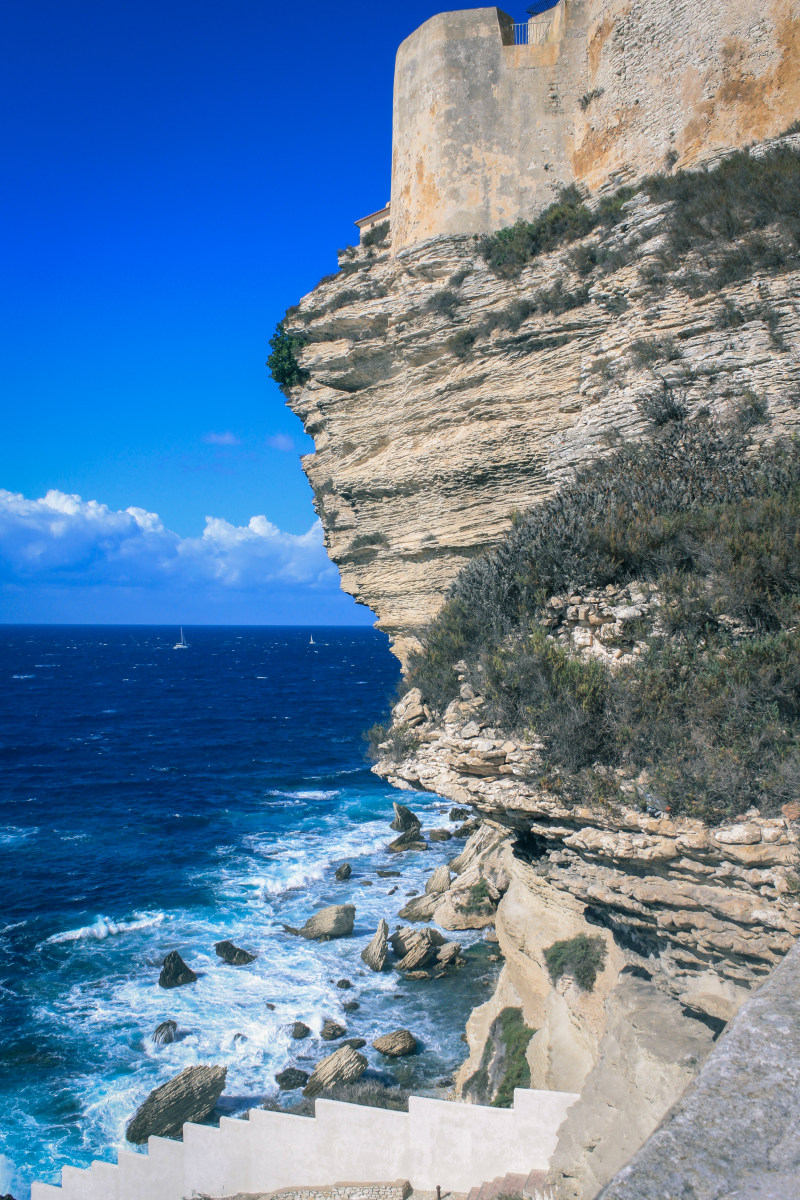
(443, 396)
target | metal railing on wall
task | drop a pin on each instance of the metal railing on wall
(531, 33)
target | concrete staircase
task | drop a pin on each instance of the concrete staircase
(435, 1142)
(528, 1186)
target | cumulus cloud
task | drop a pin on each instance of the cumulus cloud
(280, 441)
(61, 538)
(222, 439)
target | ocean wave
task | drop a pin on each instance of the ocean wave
(300, 877)
(104, 927)
(23, 676)
(305, 794)
(12, 835)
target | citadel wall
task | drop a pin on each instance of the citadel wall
(486, 131)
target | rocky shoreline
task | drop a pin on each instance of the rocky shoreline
(687, 919)
(414, 954)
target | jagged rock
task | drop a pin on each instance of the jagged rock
(374, 955)
(356, 1043)
(387, 874)
(421, 908)
(335, 921)
(343, 872)
(405, 821)
(418, 975)
(300, 1030)
(332, 1031)
(459, 814)
(418, 949)
(343, 1066)
(343, 984)
(405, 939)
(234, 954)
(439, 881)
(449, 955)
(397, 1044)
(440, 835)
(164, 1033)
(351, 1005)
(174, 972)
(291, 1078)
(190, 1096)
(407, 841)
(467, 829)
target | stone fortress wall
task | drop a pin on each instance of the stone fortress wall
(486, 131)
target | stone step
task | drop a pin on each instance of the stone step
(533, 1184)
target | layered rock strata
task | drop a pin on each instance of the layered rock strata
(443, 397)
(693, 918)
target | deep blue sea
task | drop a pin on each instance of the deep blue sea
(154, 799)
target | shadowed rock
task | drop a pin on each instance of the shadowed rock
(440, 835)
(300, 1030)
(397, 1044)
(174, 972)
(356, 1043)
(291, 1078)
(335, 921)
(234, 954)
(420, 908)
(405, 821)
(343, 1066)
(343, 872)
(374, 955)
(164, 1033)
(190, 1096)
(415, 947)
(331, 1030)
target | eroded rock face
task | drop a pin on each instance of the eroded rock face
(164, 1034)
(233, 954)
(190, 1096)
(343, 1066)
(174, 972)
(335, 921)
(439, 408)
(397, 1044)
(374, 955)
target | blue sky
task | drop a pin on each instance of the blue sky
(176, 174)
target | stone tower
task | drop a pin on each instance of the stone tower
(601, 92)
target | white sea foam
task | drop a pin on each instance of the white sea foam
(13, 835)
(104, 927)
(23, 676)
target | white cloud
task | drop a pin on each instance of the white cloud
(280, 441)
(63, 539)
(222, 439)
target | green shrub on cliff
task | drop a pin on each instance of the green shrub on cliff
(710, 711)
(581, 957)
(282, 361)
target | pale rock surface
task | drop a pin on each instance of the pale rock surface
(423, 453)
(190, 1096)
(343, 1066)
(374, 955)
(397, 1044)
(335, 921)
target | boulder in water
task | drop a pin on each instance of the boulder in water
(174, 972)
(332, 1031)
(343, 1066)
(356, 1043)
(459, 814)
(405, 821)
(291, 1078)
(300, 1030)
(440, 835)
(397, 1044)
(163, 1035)
(234, 954)
(374, 955)
(190, 1096)
(344, 984)
(343, 872)
(335, 921)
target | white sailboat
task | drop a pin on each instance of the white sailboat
(182, 644)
